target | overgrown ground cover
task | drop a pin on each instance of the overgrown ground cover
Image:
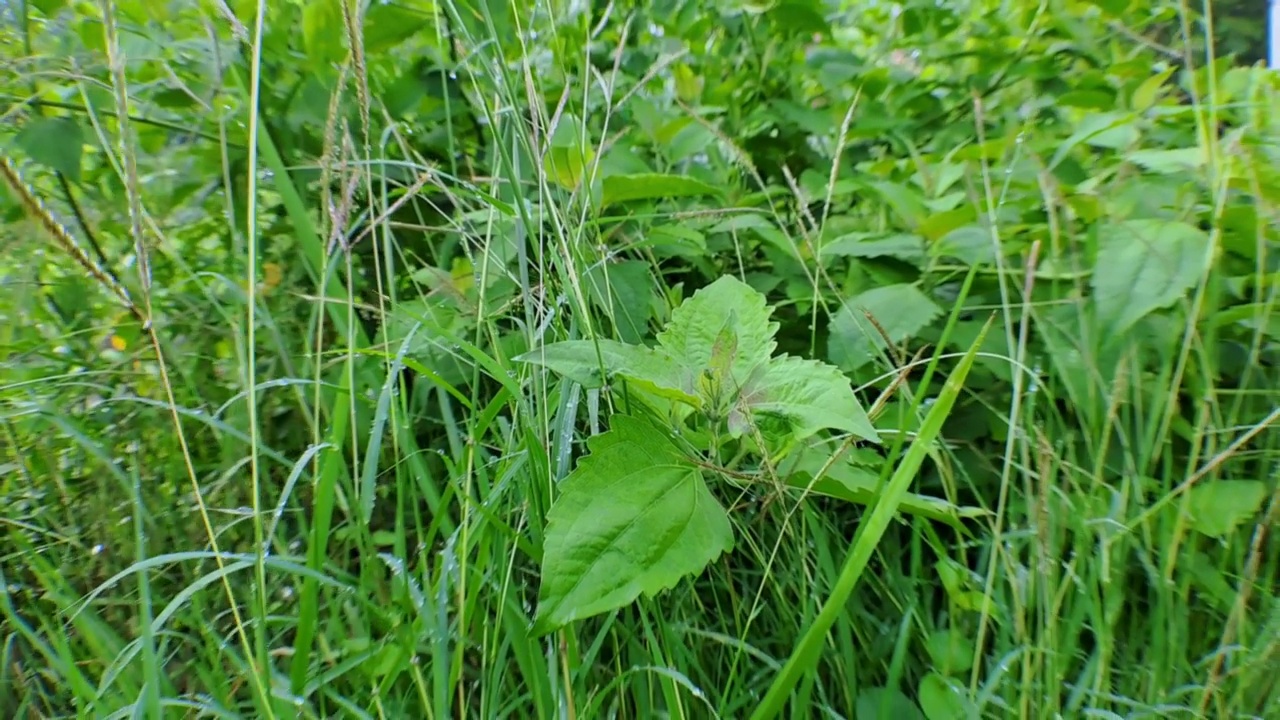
(670, 359)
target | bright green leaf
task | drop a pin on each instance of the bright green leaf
(942, 698)
(388, 24)
(811, 396)
(756, 224)
(1108, 130)
(1146, 94)
(322, 31)
(634, 517)
(715, 353)
(1218, 507)
(56, 142)
(567, 165)
(903, 200)
(950, 651)
(649, 186)
(624, 291)
(902, 246)
(884, 703)
(1168, 162)
(581, 361)
(901, 311)
(568, 133)
(691, 335)
(1142, 266)
(971, 244)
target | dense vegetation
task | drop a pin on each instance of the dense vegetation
(646, 359)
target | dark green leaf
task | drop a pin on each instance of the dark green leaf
(56, 142)
(634, 517)
(1144, 265)
(1217, 507)
(649, 186)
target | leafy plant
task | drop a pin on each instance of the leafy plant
(716, 356)
(636, 515)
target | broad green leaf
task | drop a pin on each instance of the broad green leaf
(580, 361)
(48, 7)
(567, 166)
(884, 703)
(971, 244)
(322, 32)
(1108, 130)
(950, 651)
(756, 224)
(954, 576)
(691, 335)
(675, 240)
(634, 517)
(901, 311)
(902, 246)
(568, 132)
(903, 200)
(569, 156)
(942, 698)
(1167, 162)
(1142, 266)
(810, 395)
(649, 186)
(1218, 507)
(1147, 93)
(715, 354)
(388, 24)
(56, 142)
(624, 291)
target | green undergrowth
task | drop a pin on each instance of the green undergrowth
(673, 359)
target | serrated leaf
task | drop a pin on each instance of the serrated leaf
(715, 354)
(901, 311)
(1142, 266)
(691, 335)
(1218, 507)
(579, 361)
(633, 518)
(810, 396)
(650, 186)
(942, 698)
(56, 142)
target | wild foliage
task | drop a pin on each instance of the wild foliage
(405, 359)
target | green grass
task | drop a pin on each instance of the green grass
(252, 511)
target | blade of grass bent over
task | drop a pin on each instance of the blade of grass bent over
(866, 538)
